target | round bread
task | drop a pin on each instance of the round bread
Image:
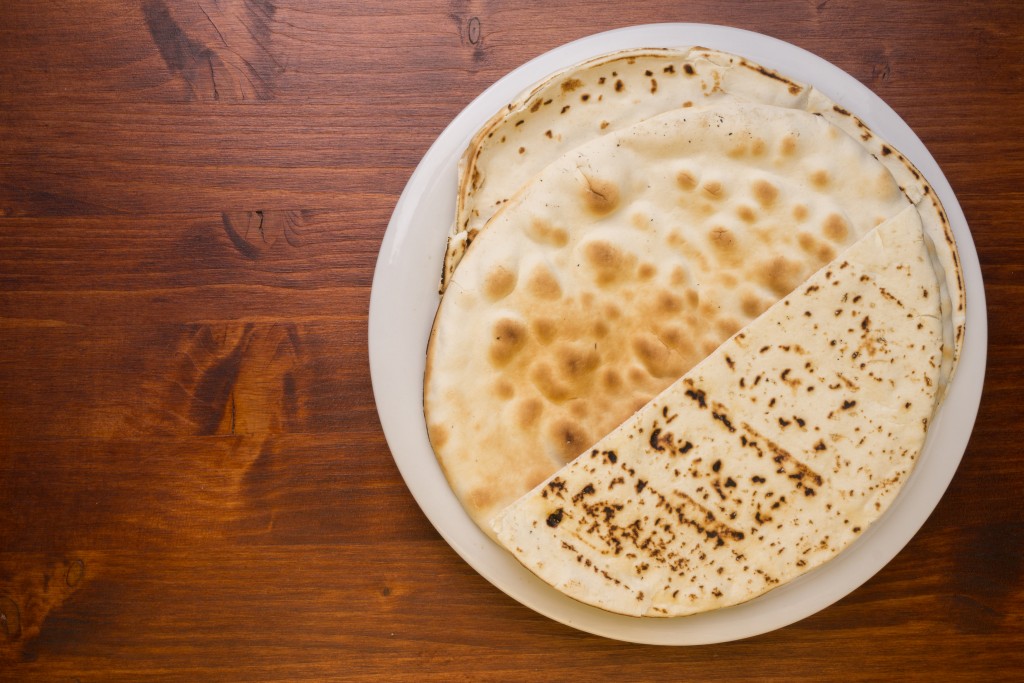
(765, 460)
(614, 91)
(594, 98)
(619, 267)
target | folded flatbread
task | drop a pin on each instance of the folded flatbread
(585, 101)
(763, 461)
(620, 266)
(615, 91)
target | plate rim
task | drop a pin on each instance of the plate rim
(796, 600)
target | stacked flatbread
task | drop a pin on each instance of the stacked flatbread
(616, 225)
(766, 459)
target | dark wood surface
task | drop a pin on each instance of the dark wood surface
(193, 481)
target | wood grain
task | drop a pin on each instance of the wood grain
(193, 481)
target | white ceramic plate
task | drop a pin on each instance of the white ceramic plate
(404, 299)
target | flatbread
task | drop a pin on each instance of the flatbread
(594, 98)
(766, 459)
(614, 91)
(619, 267)
(938, 232)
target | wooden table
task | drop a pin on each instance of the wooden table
(193, 481)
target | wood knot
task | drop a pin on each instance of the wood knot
(10, 618)
(882, 72)
(76, 570)
(253, 232)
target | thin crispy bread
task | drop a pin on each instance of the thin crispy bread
(594, 98)
(614, 91)
(622, 265)
(762, 462)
